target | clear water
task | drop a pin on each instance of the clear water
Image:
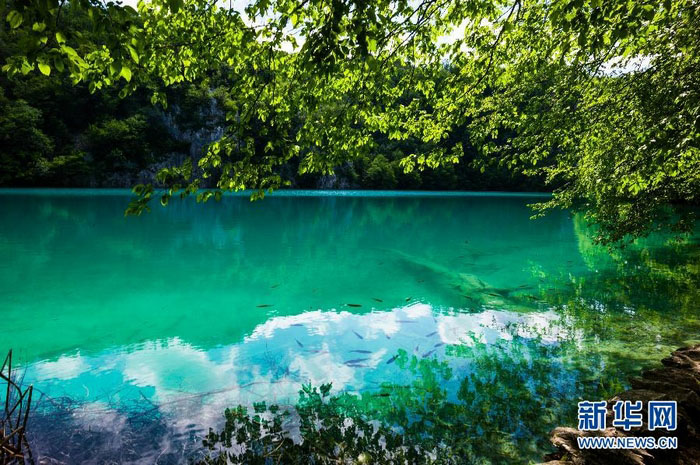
(194, 308)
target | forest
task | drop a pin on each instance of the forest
(79, 138)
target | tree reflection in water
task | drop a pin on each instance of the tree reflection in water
(621, 319)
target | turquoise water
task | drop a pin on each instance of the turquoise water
(194, 308)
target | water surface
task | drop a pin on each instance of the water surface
(146, 329)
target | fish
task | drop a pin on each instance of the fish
(468, 297)
(357, 365)
(493, 294)
(387, 336)
(428, 353)
(264, 305)
(391, 360)
(439, 344)
(421, 280)
(297, 324)
(274, 286)
(355, 361)
(357, 334)
(359, 351)
(353, 305)
(300, 344)
(377, 300)
(431, 334)
(405, 321)
(381, 394)
(408, 299)
(316, 351)
(524, 286)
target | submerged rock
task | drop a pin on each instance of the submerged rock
(679, 380)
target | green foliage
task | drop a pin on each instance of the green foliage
(55, 133)
(112, 138)
(121, 144)
(623, 144)
(380, 174)
(22, 140)
(527, 85)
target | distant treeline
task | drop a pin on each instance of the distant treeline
(57, 134)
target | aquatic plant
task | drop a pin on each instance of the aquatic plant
(16, 404)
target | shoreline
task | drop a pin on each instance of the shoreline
(80, 191)
(678, 379)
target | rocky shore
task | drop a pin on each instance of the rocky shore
(678, 379)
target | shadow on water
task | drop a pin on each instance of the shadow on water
(63, 431)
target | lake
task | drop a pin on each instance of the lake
(137, 333)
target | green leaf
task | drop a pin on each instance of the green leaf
(60, 38)
(372, 45)
(15, 19)
(44, 68)
(132, 52)
(126, 73)
(38, 27)
(58, 64)
(69, 51)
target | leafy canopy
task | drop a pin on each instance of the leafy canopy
(601, 97)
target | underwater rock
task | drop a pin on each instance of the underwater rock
(679, 380)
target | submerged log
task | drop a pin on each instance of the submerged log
(679, 380)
